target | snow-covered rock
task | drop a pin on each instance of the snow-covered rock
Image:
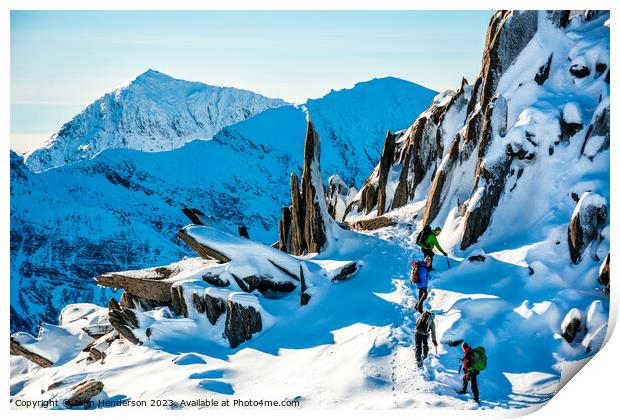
(152, 113)
(589, 217)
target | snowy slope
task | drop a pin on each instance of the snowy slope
(122, 209)
(532, 174)
(152, 113)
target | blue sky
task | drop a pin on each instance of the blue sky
(61, 61)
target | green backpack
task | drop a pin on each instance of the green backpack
(480, 359)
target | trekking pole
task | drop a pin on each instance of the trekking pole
(448, 261)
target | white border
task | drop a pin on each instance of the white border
(592, 395)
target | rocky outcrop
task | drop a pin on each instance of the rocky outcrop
(589, 217)
(96, 351)
(310, 224)
(413, 157)
(83, 392)
(603, 274)
(573, 326)
(509, 32)
(155, 288)
(384, 169)
(214, 307)
(346, 272)
(241, 322)
(491, 176)
(543, 72)
(98, 330)
(215, 280)
(18, 350)
(372, 224)
(264, 285)
(597, 137)
(124, 320)
(338, 197)
(201, 249)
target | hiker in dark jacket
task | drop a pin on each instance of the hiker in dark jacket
(424, 326)
(471, 374)
(424, 273)
(429, 241)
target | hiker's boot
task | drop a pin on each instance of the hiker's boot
(462, 391)
(420, 363)
(477, 400)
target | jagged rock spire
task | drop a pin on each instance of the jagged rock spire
(307, 227)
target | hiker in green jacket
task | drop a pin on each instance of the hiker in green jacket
(428, 240)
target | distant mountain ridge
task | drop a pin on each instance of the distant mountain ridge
(154, 112)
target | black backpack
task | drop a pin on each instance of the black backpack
(423, 324)
(423, 235)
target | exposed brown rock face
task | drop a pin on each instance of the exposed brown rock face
(284, 230)
(98, 348)
(201, 249)
(603, 275)
(179, 306)
(509, 32)
(384, 169)
(123, 320)
(156, 289)
(18, 350)
(490, 179)
(298, 242)
(241, 323)
(214, 307)
(372, 224)
(585, 224)
(83, 392)
(309, 218)
(312, 193)
(441, 180)
(571, 330)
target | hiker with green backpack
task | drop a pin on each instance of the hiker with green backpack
(427, 241)
(474, 362)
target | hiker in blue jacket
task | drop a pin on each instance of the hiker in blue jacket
(424, 274)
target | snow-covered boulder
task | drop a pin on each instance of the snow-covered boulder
(589, 216)
(82, 393)
(243, 318)
(573, 326)
(597, 137)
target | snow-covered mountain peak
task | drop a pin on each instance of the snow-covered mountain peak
(154, 112)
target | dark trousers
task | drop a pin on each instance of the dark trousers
(428, 252)
(473, 377)
(422, 295)
(421, 347)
